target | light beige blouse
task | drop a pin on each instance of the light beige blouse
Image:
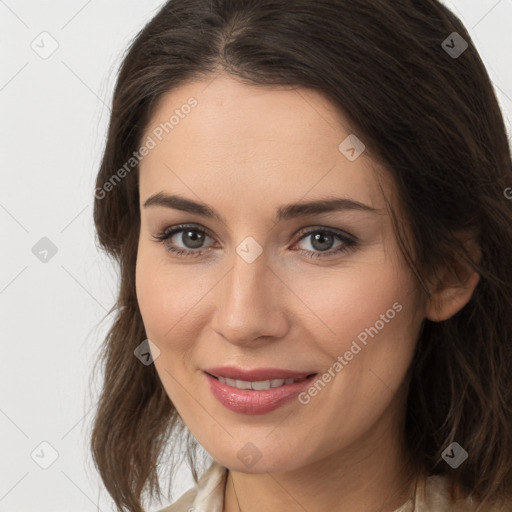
(208, 496)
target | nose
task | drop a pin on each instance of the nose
(251, 303)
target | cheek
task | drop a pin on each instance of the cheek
(153, 296)
(373, 322)
(169, 298)
(166, 301)
(370, 317)
(354, 300)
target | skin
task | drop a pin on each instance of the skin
(245, 151)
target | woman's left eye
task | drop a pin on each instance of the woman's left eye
(321, 240)
(321, 237)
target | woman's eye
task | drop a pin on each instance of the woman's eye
(190, 240)
(322, 241)
(191, 237)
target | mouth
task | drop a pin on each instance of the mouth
(256, 396)
(259, 385)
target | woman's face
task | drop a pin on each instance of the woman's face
(313, 290)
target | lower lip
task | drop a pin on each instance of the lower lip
(248, 401)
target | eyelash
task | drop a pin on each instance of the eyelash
(348, 241)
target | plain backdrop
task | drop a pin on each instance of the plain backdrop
(55, 286)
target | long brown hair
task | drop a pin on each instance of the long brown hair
(429, 117)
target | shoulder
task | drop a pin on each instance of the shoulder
(434, 496)
(206, 496)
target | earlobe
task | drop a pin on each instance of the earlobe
(448, 300)
(451, 294)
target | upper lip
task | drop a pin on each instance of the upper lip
(255, 374)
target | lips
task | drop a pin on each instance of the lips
(256, 374)
(255, 401)
(257, 390)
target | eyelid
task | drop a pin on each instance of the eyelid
(167, 232)
(340, 232)
(347, 240)
(301, 233)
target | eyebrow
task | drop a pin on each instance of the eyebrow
(284, 212)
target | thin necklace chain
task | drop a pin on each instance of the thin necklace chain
(414, 498)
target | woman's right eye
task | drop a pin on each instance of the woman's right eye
(192, 236)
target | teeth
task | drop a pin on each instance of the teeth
(240, 384)
(257, 385)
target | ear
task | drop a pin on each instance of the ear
(454, 285)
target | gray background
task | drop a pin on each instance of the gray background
(53, 120)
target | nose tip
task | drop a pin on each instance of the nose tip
(249, 303)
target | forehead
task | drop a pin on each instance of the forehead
(224, 137)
